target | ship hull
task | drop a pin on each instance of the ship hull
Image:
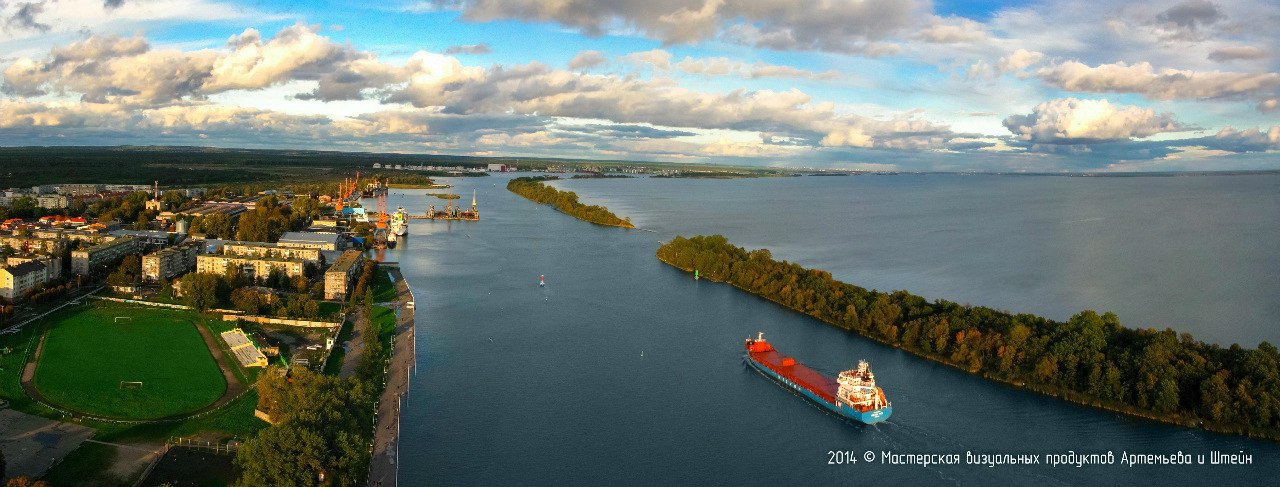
(865, 417)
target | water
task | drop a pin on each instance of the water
(625, 371)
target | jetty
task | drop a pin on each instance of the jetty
(451, 212)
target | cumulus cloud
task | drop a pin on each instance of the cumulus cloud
(1142, 78)
(1018, 60)
(1270, 105)
(838, 25)
(1247, 140)
(112, 69)
(587, 60)
(1074, 121)
(469, 49)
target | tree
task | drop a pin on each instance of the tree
(200, 290)
(284, 455)
(247, 300)
(25, 481)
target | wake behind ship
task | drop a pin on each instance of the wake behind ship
(853, 394)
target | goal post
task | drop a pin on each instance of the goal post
(128, 319)
(130, 384)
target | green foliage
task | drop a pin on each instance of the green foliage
(266, 222)
(324, 426)
(1090, 358)
(565, 201)
(202, 290)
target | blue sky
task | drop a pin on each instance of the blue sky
(859, 84)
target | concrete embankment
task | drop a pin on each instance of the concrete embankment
(383, 467)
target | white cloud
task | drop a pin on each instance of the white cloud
(953, 30)
(1166, 84)
(587, 60)
(656, 59)
(1018, 60)
(1073, 121)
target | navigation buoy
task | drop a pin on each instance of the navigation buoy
(695, 274)
(542, 280)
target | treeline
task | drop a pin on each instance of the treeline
(565, 201)
(1089, 359)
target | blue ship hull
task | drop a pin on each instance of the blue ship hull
(869, 417)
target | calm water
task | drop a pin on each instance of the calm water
(624, 371)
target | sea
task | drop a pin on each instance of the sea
(624, 371)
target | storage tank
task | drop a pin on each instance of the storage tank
(182, 227)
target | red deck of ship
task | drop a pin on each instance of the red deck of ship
(803, 376)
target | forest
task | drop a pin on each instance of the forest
(1089, 359)
(566, 201)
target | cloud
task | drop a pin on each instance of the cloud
(1270, 105)
(837, 26)
(1166, 84)
(656, 59)
(1232, 53)
(953, 30)
(1018, 60)
(112, 4)
(25, 17)
(587, 60)
(722, 66)
(469, 49)
(1186, 20)
(1247, 140)
(112, 69)
(1073, 121)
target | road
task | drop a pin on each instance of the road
(382, 468)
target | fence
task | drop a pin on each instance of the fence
(280, 321)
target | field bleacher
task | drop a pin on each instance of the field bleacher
(245, 351)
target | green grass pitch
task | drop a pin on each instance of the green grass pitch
(88, 355)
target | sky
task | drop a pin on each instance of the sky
(901, 85)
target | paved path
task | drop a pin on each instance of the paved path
(355, 344)
(386, 438)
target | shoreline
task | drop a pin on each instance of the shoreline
(384, 463)
(1067, 396)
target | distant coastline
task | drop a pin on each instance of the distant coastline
(1090, 360)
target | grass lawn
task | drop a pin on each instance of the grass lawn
(87, 355)
(383, 289)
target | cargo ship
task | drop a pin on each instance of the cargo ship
(853, 394)
(399, 223)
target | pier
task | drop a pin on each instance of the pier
(451, 212)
